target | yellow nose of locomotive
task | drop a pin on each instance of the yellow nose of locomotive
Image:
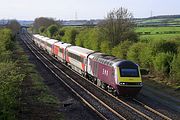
(129, 81)
(129, 77)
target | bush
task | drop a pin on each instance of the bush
(42, 29)
(146, 56)
(81, 37)
(10, 78)
(6, 41)
(52, 30)
(89, 38)
(121, 49)
(164, 46)
(162, 63)
(175, 69)
(134, 52)
(93, 39)
(70, 35)
(105, 47)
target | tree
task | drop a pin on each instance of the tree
(70, 35)
(89, 38)
(43, 21)
(14, 26)
(118, 26)
(52, 30)
(121, 49)
(42, 29)
(105, 47)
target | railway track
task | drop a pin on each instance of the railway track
(100, 101)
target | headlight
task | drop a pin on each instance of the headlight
(122, 83)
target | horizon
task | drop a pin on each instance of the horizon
(83, 9)
(89, 19)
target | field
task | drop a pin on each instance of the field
(159, 21)
(158, 33)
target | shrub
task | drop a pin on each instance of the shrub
(175, 69)
(89, 38)
(105, 47)
(162, 62)
(42, 29)
(93, 39)
(164, 46)
(52, 30)
(146, 56)
(121, 49)
(70, 35)
(10, 78)
(6, 41)
(81, 37)
(134, 52)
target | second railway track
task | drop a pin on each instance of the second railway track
(103, 103)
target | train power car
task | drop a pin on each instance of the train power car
(119, 76)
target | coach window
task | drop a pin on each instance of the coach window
(60, 50)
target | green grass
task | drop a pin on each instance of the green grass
(162, 20)
(45, 96)
(38, 91)
(152, 20)
(158, 33)
(153, 30)
(160, 37)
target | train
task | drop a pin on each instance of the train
(118, 76)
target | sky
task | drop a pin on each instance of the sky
(83, 9)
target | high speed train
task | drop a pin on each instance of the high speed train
(121, 77)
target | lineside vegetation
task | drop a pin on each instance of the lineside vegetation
(15, 70)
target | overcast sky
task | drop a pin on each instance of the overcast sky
(83, 9)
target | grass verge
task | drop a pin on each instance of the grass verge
(35, 99)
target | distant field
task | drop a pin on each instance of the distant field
(160, 22)
(152, 33)
(160, 37)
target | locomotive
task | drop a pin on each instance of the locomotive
(121, 77)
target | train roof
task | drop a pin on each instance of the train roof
(36, 35)
(62, 45)
(80, 50)
(45, 38)
(105, 59)
(51, 41)
(126, 63)
(58, 43)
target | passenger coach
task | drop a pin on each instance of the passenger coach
(76, 57)
(60, 51)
